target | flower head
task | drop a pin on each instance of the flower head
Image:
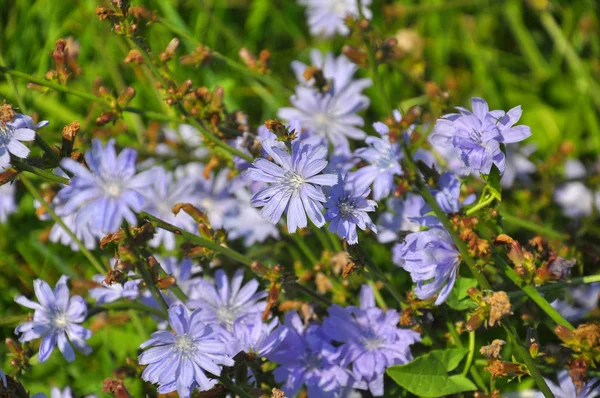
(179, 360)
(448, 194)
(294, 184)
(306, 357)
(347, 209)
(20, 128)
(518, 165)
(371, 340)
(8, 204)
(107, 193)
(251, 335)
(403, 217)
(432, 260)
(107, 293)
(383, 158)
(567, 389)
(575, 199)
(227, 302)
(478, 135)
(56, 318)
(327, 17)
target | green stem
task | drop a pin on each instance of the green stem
(530, 225)
(22, 166)
(305, 249)
(234, 388)
(471, 353)
(472, 369)
(558, 286)
(97, 265)
(13, 320)
(533, 294)
(480, 205)
(529, 362)
(126, 306)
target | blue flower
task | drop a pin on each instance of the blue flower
(56, 317)
(109, 191)
(106, 293)
(166, 191)
(371, 340)
(8, 205)
(251, 335)
(179, 360)
(567, 389)
(403, 217)
(432, 261)
(518, 165)
(383, 157)
(293, 184)
(578, 301)
(575, 199)
(478, 135)
(20, 128)
(448, 194)
(227, 302)
(306, 357)
(347, 209)
(327, 17)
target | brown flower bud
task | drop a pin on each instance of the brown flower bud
(499, 306)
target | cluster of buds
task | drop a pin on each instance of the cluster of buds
(200, 103)
(19, 358)
(282, 132)
(202, 55)
(465, 227)
(126, 20)
(584, 341)
(491, 308)
(64, 55)
(385, 51)
(260, 64)
(116, 105)
(537, 263)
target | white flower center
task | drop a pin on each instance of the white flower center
(60, 321)
(227, 315)
(112, 188)
(371, 341)
(292, 180)
(184, 344)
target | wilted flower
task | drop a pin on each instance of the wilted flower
(567, 389)
(8, 205)
(294, 184)
(371, 340)
(306, 357)
(327, 17)
(108, 192)
(56, 317)
(179, 360)
(383, 157)
(432, 260)
(20, 128)
(227, 302)
(478, 135)
(347, 208)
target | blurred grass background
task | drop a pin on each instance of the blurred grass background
(544, 55)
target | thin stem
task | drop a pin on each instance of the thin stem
(471, 353)
(533, 294)
(530, 225)
(22, 166)
(472, 369)
(97, 265)
(525, 357)
(558, 286)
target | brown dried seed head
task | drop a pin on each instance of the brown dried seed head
(492, 350)
(70, 130)
(588, 333)
(499, 306)
(6, 113)
(277, 393)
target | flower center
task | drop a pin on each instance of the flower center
(60, 321)
(475, 136)
(371, 341)
(293, 180)
(184, 344)
(346, 207)
(227, 315)
(113, 189)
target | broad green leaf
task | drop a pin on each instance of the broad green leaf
(458, 298)
(427, 375)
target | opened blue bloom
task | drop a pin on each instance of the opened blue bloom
(307, 357)
(294, 184)
(448, 194)
(107, 193)
(347, 208)
(56, 320)
(567, 389)
(8, 204)
(227, 302)
(251, 335)
(20, 128)
(327, 17)
(383, 157)
(578, 301)
(166, 191)
(179, 360)
(478, 135)
(108, 293)
(432, 261)
(371, 340)
(403, 216)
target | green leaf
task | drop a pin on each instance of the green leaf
(427, 375)
(458, 298)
